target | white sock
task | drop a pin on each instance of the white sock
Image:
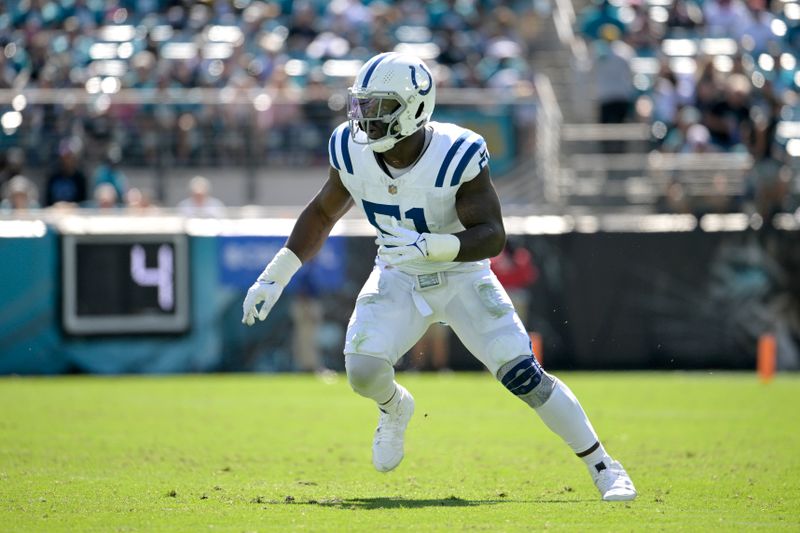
(596, 460)
(565, 417)
(390, 405)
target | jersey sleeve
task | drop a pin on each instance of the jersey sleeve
(465, 159)
(339, 149)
(476, 157)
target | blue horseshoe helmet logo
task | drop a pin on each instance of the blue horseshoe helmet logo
(423, 92)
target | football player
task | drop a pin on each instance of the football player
(425, 187)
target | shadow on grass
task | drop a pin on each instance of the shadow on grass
(556, 500)
(408, 503)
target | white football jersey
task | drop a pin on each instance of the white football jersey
(424, 197)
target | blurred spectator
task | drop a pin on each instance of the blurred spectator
(613, 80)
(7, 73)
(200, 203)
(674, 200)
(67, 183)
(138, 199)
(108, 172)
(676, 138)
(603, 13)
(305, 310)
(19, 194)
(319, 118)
(432, 350)
(760, 131)
(685, 15)
(707, 87)
(105, 197)
(698, 141)
(516, 271)
(725, 18)
(13, 164)
(728, 115)
(768, 188)
(757, 27)
(665, 96)
(720, 199)
(642, 34)
(302, 27)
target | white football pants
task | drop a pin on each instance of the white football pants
(391, 314)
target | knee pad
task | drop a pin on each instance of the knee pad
(527, 380)
(369, 376)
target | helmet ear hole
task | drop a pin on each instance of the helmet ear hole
(419, 109)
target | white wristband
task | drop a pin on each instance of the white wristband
(282, 267)
(442, 246)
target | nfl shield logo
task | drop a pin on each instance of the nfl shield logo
(392, 189)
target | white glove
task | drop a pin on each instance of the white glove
(402, 246)
(269, 286)
(266, 291)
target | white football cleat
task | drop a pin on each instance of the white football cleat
(387, 447)
(613, 482)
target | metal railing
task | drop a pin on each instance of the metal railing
(548, 142)
(635, 173)
(217, 131)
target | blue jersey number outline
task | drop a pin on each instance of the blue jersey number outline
(415, 214)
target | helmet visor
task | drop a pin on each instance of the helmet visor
(372, 108)
(375, 115)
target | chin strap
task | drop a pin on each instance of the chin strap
(385, 144)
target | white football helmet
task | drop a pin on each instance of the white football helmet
(392, 97)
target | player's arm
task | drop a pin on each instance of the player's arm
(319, 217)
(309, 233)
(478, 209)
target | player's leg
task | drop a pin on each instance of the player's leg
(561, 411)
(384, 325)
(373, 378)
(484, 319)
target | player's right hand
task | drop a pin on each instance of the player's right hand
(265, 291)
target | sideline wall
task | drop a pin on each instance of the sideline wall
(603, 300)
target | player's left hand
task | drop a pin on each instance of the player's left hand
(401, 245)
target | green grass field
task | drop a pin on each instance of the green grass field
(283, 453)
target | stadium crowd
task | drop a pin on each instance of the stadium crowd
(709, 76)
(299, 50)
